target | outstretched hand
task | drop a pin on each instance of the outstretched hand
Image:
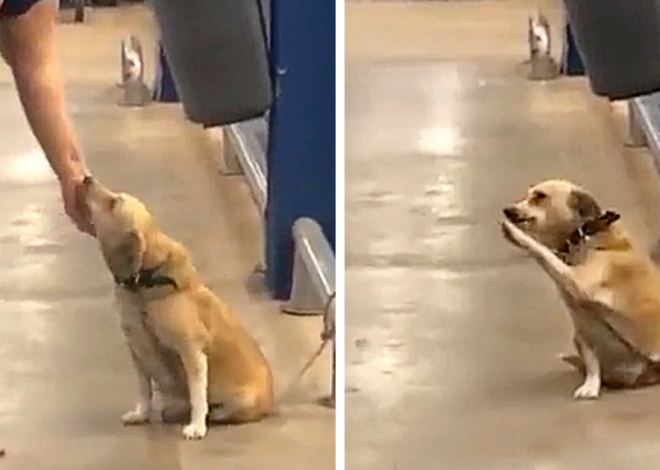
(74, 204)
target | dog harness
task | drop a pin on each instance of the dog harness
(145, 279)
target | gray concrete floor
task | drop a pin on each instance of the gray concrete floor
(65, 374)
(452, 335)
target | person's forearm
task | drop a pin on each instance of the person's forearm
(41, 93)
(29, 46)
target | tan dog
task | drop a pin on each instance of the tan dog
(611, 288)
(165, 307)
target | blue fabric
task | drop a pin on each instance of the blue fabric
(165, 89)
(572, 64)
(13, 8)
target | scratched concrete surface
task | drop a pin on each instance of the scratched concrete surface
(65, 374)
(452, 336)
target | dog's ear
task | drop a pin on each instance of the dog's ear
(125, 258)
(584, 205)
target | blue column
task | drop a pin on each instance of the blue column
(164, 86)
(301, 147)
(571, 63)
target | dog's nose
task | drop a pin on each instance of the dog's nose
(87, 180)
(511, 213)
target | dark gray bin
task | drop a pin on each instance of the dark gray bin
(619, 41)
(217, 52)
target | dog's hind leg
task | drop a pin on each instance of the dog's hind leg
(228, 414)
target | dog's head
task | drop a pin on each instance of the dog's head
(553, 210)
(122, 223)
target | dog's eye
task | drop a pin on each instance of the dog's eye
(113, 203)
(539, 196)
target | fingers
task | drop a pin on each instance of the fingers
(81, 220)
(84, 215)
(78, 220)
(75, 206)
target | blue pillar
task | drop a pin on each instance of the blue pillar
(164, 87)
(301, 147)
(571, 63)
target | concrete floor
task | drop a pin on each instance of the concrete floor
(452, 336)
(65, 374)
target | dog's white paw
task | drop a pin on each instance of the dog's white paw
(589, 390)
(194, 431)
(135, 417)
(514, 234)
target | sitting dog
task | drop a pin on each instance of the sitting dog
(180, 335)
(611, 288)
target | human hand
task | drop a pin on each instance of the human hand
(74, 203)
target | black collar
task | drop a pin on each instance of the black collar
(145, 279)
(588, 229)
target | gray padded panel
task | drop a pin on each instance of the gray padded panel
(218, 56)
(619, 41)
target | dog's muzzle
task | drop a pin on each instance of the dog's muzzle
(514, 215)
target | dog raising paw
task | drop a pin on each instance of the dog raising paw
(609, 284)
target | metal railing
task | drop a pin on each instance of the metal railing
(644, 121)
(313, 289)
(245, 153)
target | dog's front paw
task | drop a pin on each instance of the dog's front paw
(504, 226)
(135, 417)
(589, 390)
(514, 234)
(194, 431)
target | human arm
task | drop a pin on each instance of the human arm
(29, 47)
